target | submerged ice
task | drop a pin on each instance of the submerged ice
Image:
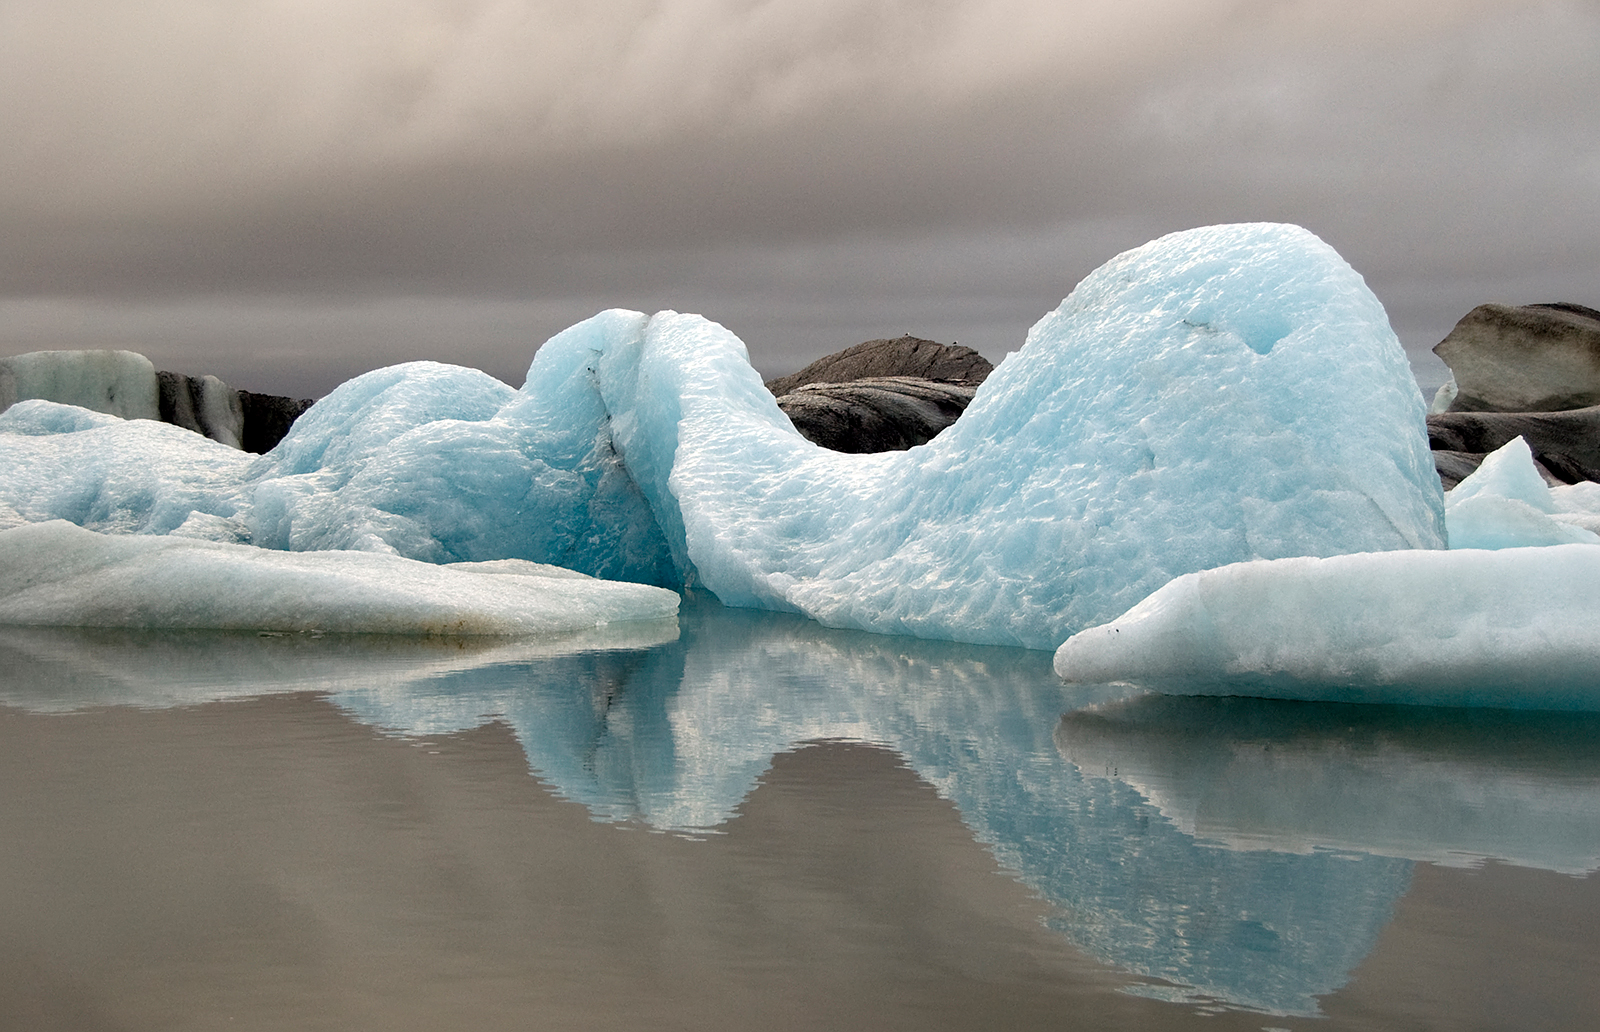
(1224, 394)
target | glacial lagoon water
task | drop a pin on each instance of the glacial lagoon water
(746, 820)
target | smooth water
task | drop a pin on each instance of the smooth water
(749, 821)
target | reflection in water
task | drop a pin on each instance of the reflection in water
(1443, 785)
(674, 730)
(61, 669)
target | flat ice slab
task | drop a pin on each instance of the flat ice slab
(1502, 619)
(1516, 627)
(57, 574)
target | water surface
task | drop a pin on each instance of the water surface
(752, 821)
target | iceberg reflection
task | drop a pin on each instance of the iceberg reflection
(62, 669)
(1247, 852)
(1447, 786)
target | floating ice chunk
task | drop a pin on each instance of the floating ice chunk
(429, 461)
(120, 383)
(56, 574)
(366, 415)
(368, 466)
(1174, 414)
(1515, 628)
(445, 464)
(1507, 472)
(1506, 504)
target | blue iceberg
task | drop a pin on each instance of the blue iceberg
(1219, 395)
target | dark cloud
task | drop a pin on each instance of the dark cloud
(291, 193)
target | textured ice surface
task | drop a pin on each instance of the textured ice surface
(1577, 505)
(112, 475)
(58, 574)
(1173, 415)
(1518, 627)
(121, 383)
(1218, 395)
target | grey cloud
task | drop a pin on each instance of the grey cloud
(457, 178)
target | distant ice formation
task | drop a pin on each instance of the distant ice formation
(1506, 504)
(125, 384)
(120, 383)
(1218, 395)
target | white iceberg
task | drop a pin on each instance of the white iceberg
(1507, 617)
(1506, 504)
(1173, 415)
(1514, 627)
(58, 574)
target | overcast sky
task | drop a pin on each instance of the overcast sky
(289, 192)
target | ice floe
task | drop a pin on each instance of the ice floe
(121, 383)
(58, 574)
(1511, 618)
(1513, 627)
